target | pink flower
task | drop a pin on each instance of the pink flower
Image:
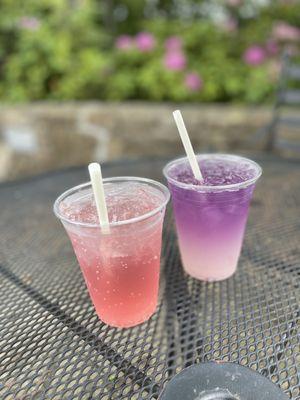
(173, 43)
(193, 81)
(29, 23)
(175, 60)
(272, 47)
(284, 31)
(145, 41)
(254, 55)
(124, 42)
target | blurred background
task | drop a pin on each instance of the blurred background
(84, 80)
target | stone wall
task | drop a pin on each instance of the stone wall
(44, 136)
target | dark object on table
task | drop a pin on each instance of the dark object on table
(220, 381)
(54, 347)
(285, 96)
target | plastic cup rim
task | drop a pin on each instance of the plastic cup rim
(211, 188)
(164, 190)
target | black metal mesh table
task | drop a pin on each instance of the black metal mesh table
(52, 345)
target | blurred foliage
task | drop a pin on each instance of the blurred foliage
(50, 49)
(73, 49)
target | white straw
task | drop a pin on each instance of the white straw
(98, 190)
(187, 145)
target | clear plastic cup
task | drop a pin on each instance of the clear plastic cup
(121, 267)
(211, 220)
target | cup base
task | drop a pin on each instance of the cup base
(130, 324)
(210, 279)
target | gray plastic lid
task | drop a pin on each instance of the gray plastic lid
(220, 381)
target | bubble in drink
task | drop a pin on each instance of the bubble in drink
(121, 268)
(211, 215)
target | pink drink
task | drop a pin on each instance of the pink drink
(121, 267)
(211, 216)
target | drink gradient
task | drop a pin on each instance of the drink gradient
(211, 216)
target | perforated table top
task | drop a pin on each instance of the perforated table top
(53, 346)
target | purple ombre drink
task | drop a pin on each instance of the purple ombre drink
(211, 215)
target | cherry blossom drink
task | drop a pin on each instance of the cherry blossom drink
(120, 266)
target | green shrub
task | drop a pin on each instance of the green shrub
(59, 49)
(49, 50)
